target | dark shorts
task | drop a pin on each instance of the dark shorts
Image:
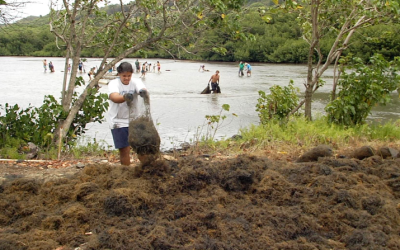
(214, 86)
(120, 136)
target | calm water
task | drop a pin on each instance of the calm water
(177, 107)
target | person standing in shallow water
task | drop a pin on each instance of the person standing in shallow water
(51, 66)
(248, 67)
(137, 64)
(45, 65)
(158, 67)
(80, 66)
(214, 81)
(118, 111)
(143, 75)
(241, 68)
(91, 73)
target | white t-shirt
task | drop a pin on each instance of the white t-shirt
(118, 113)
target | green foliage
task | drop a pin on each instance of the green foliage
(290, 52)
(12, 149)
(389, 131)
(252, 34)
(23, 39)
(299, 130)
(214, 122)
(382, 38)
(84, 147)
(296, 130)
(11, 153)
(363, 86)
(37, 125)
(17, 123)
(278, 104)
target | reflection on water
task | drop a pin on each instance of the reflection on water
(214, 104)
(177, 106)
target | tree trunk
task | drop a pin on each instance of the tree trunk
(310, 84)
(307, 102)
(314, 44)
(64, 88)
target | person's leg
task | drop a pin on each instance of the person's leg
(124, 155)
(213, 87)
(120, 136)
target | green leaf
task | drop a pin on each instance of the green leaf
(225, 107)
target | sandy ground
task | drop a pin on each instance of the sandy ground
(317, 201)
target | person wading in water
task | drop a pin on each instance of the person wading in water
(215, 82)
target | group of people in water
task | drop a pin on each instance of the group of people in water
(51, 66)
(147, 67)
(244, 66)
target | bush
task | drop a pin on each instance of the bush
(361, 89)
(278, 104)
(38, 125)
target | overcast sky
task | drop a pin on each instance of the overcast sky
(35, 8)
(39, 7)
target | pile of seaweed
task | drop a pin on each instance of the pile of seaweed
(246, 202)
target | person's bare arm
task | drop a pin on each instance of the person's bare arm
(117, 98)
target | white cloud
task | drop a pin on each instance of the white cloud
(17, 9)
(41, 7)
(34, 8)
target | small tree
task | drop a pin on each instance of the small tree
(361, 89)
(339, 19)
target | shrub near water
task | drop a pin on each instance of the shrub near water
(38, 124)
(364, 87)
(278, 104)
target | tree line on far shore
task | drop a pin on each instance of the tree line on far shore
(274, 40)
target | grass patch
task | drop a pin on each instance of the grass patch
(88, 147)
(299, 134)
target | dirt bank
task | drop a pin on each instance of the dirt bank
(195, 202)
